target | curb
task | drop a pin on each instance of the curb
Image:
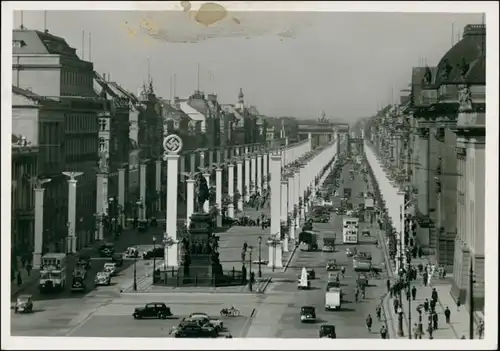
(289, 259)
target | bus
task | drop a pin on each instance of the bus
(52, 272)
(350, 229)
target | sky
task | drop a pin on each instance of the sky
(287, 63)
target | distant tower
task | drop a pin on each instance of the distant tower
(241, 102)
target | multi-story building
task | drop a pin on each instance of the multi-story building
(47, 66)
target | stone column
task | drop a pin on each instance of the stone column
(284, 210)
(37, 251)
(239, 183)
(192, 162)
(247, 179)
(230, 189)
(171, 252)
(189, 200)
(158, 184)
(226, 154)
(423, 182)
(121, 195)
(290, 205)
(182, 167)
(253, 170)
(71, 240)
(142, 190)
(218, 194)
(265, 173)
(259, 174)
(101, 200)
(275, 168)
(296, 184)
(210, 157)
(218, 156)
(206, 205)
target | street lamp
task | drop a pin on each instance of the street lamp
(260, 261)
(250, 263)
(154, 258)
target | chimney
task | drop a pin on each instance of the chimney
(177, 102)
(212, 97)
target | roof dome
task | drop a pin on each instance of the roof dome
(457, 62)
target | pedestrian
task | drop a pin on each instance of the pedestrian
(415, 331)
(433, 306)
(447, 315)
(414, 292)
(434, 295)
(258, 221)
(430, 331)
(28, 268)
(435, 321)
(396, 305)
(378, 312)
(342, 271)
(408, 295)
(462, 337)
(369, 323)
(245, 246)
(388, 284)
(458, 303)
(425, 277)
(19, 279)
(420, 252)
(420, 268)
(263, 224)
(383, 332)
(480, 329)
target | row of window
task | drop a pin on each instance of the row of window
(82, 145)
(81, 123)
(75, 78)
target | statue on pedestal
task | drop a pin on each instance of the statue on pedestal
(202, 191)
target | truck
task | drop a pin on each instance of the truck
(308, 241)
(333, 299)
(361, 263)
(347, 193)
(52, 272)
(350, 227)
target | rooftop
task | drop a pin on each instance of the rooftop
(27, 41)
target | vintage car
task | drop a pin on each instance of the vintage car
(142, 225)
(333, 277)
(152, 310)
(307, 314)
(331, 265)
(218, 324)
(327, 331)
(110, 267)
(193, 330)
(157, 252)
(362, 280)
(79, 271)
(84, 261)
(351, 251)
(311, 274)
(117, 259)
(102, 278)
(365, 255)
(106, 250)
(365, 233)
(24, 304)
(78, 284)
(132, 252)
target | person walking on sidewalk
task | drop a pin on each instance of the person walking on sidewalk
(435, 321)
(433, 306)
(369, 323)
(447, 315)
(378, 312)
(388, 284)
(342, 271)
(425, 277)
(408, 294)
(434, 295)
(414, 292)
(383, 332)
(19, 278)
(458, 304)
(396, 305)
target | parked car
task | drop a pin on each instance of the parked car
(307, 314)
(193, 330)
(106, 249)
(351, 251)
(152, 310)
(110, 267)
(84, 261)
(24, 304)
(203, 316)
(117, 259)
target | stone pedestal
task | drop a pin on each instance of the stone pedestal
(192, 162)
(71, 240)
(37, 250)
(275, 254)
(171, 251)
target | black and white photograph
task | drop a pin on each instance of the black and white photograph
(283, 172)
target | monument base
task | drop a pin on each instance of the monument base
(275, 256)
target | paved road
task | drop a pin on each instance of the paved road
(114, 319)
(350, 320)
(54, 313)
